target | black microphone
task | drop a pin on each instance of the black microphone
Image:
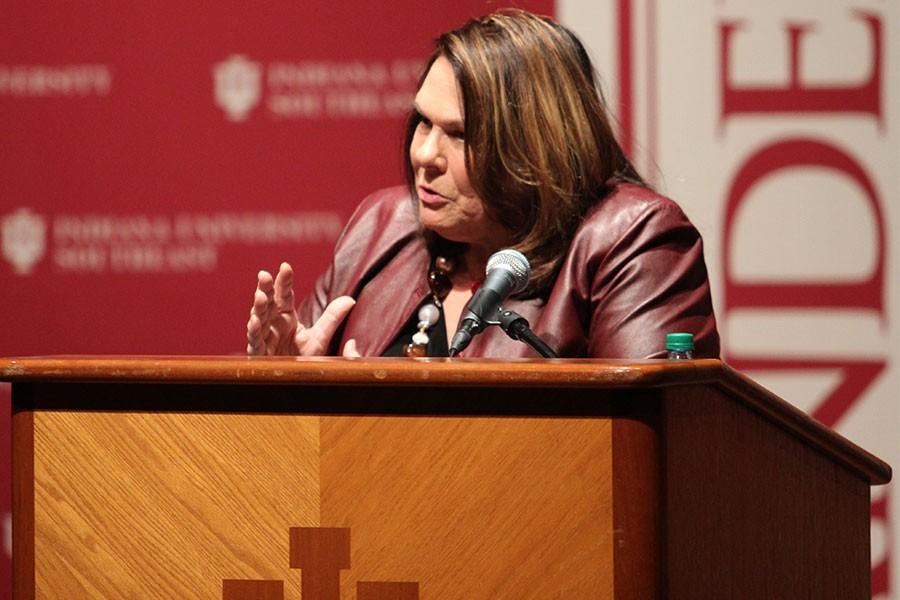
(507, 272)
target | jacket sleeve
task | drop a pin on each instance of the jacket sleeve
(651, 280)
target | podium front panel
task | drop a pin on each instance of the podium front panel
(149, 501)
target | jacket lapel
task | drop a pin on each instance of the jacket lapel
(388, 300)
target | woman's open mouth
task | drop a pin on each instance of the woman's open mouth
(430, 198)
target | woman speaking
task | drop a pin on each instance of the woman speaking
(510, 147)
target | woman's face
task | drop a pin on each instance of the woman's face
(448, 205)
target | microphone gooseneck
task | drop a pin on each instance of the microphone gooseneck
(507, 272)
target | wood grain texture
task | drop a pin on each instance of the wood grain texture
(168, 505)
(618, 480)
(753, 512)
(638, 489)
(395, 371)
(23, 502)
(524, 373)
(785, 416)
(474, 508)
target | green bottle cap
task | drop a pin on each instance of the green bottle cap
(679, 341)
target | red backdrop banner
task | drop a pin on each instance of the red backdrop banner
(156, 155)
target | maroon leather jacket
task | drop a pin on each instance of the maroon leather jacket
(633, 272)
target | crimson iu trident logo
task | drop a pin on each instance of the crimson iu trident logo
(237, 86)
(321, 553)
(24, 240)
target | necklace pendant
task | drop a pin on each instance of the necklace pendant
(416, 350)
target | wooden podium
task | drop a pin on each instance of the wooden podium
(376, 479)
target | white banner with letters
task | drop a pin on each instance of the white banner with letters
(775, 125)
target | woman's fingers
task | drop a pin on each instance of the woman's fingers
(350, 350)
(263, 296)
(254, 336)
(314, 341)
(260, 338)
(273, 322)
(283, 288)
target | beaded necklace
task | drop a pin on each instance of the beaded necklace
(440, 285)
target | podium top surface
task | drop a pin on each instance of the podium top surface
(361, 371)
(457, 372)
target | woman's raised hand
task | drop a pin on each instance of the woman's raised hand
(273, 328)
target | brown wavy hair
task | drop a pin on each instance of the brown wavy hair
(540, 148)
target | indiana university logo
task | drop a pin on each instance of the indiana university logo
(24, 240)
(237, 85)
(321, 553)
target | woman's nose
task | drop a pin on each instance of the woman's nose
(428, 153)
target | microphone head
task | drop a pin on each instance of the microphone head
(513, 262)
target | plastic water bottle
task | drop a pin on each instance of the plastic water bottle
(680, 346)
